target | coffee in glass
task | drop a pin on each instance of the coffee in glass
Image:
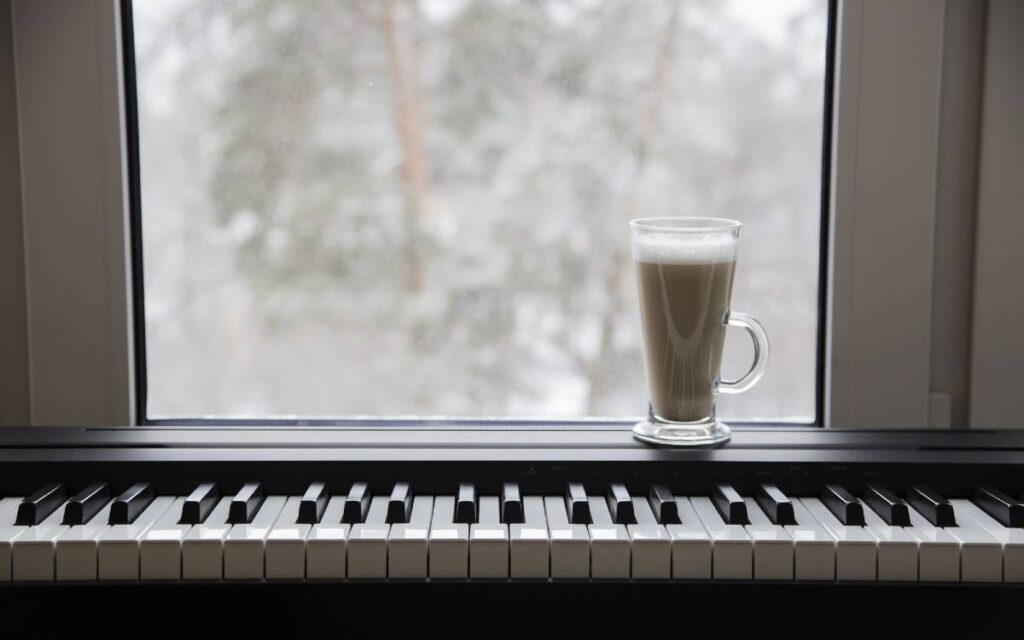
(685, 270)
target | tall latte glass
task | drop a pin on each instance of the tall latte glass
(685, 270)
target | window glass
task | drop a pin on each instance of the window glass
(402, 208)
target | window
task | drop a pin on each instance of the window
(401, 208)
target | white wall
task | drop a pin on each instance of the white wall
(14, 403)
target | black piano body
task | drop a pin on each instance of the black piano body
(437, 458)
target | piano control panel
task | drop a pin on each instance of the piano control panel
(581, 505)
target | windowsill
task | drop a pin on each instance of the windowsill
(591, 437)
(525, 453)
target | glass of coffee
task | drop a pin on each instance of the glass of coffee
(685, 270)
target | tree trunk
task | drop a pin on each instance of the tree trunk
(618, 265)
(405, 68)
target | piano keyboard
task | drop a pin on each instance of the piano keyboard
(93, 533)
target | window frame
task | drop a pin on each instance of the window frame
(74, 214)
(105, 384)
(903, 211)
(997, 347)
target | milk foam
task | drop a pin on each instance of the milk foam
(676, 249)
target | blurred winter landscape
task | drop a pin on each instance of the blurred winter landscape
(419, 208)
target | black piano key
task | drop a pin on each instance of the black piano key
(730, 505)
(399, 503)
(313, 503)
(889, 507)
(87, 503)
(936, 509)
(357, 503)
(127, 506)
(843, 505)
(511, 504)
(246, 503)
(663, 504)
(1000, 506)
(776, 505)
(576, 505)
(38, 506)
(620, 504)
(199, 503)
(465, 504)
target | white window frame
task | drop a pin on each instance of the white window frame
(903, 195)
(74, 195)
(895, 61)
(997, 348)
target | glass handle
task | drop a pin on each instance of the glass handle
(760, 338)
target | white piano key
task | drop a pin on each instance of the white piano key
(77, 548)
(570, 543)
(8, 505)
(938, 552)
(407, 542)
(1012, 540)
(609, 543)
(202, 548)
(814, 546)
(897, 549)
(160, 552)
(488, 541)
(33, 554)
(650, 544)
(326, 545)
(368, 543)
(245, 544)
(285, 548)
(449, 541)
(529, 543)
(118, 545)
(981, 553)
(732, 550)
(773, 546)
(8, 532)
(856, 548)
(691, 544)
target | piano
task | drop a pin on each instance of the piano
(485, 511)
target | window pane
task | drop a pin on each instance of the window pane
(420, 208)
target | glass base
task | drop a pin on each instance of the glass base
(670, 434)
